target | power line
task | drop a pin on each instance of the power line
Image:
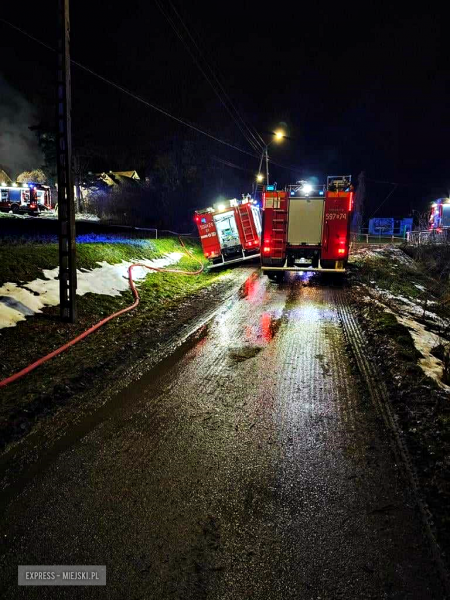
(261, 143)
(146, 102)
(130, 93)
(230, 164)
(202, 70)
(387, 197)
(411, 184)
(386, 182)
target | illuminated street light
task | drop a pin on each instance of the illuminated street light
(259, 177)
(279, 135)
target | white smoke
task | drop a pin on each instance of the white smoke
(19, 150)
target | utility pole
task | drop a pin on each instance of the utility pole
(66, 206)
(279, 135)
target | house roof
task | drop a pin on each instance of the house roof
(131, 174)
(118, 177)
(4, 178)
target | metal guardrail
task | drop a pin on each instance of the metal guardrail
(428, 236)
(367, 238)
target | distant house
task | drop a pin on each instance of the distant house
(117, 178)
(4, 178)
(98, 184)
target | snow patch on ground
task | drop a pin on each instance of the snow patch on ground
(52, 214)
(11, 215)
(385, 251)
(407, 311)
(413, 307)
(18, 302)
(425, 341)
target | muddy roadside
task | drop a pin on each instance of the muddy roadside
(52, 399)
(407, 325)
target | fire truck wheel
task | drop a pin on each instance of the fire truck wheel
(15, 209)
(327, 264)
(275, 276)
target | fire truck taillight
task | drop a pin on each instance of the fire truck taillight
(266, 249)
(341, 250)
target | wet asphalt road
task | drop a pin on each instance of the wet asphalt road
(250, 464)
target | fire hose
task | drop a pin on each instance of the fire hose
(80, 337)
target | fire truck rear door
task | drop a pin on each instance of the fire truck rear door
(305, 221)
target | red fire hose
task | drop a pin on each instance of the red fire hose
(80, 337)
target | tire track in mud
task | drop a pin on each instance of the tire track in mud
(22, 461)
(380, 397)
(240, 470)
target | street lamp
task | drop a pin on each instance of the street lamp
(279, 135)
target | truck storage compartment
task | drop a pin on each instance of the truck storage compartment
(230, 231)
(227, 230)
(305, 221)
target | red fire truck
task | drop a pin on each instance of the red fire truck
(31, 198)
(230, 231)
(306, 227)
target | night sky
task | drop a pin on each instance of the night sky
(361, 87)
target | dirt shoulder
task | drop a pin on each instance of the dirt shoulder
(73, 381)
(407, 323)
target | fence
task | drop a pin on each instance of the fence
(44, 231)
(429, 236)
(367, 238)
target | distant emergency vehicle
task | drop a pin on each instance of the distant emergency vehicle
(306, 227)
(30, 198)
(230, 231)
(440, 214)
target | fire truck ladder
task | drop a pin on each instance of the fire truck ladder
(248, 229)
(279, 232)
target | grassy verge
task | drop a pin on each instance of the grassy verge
(163, 296)
(394, 275)
(387, 286)
(23, 263)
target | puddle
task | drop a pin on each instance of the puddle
(323, 364)
(244, 353)
(250, 287)
(269, 326)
